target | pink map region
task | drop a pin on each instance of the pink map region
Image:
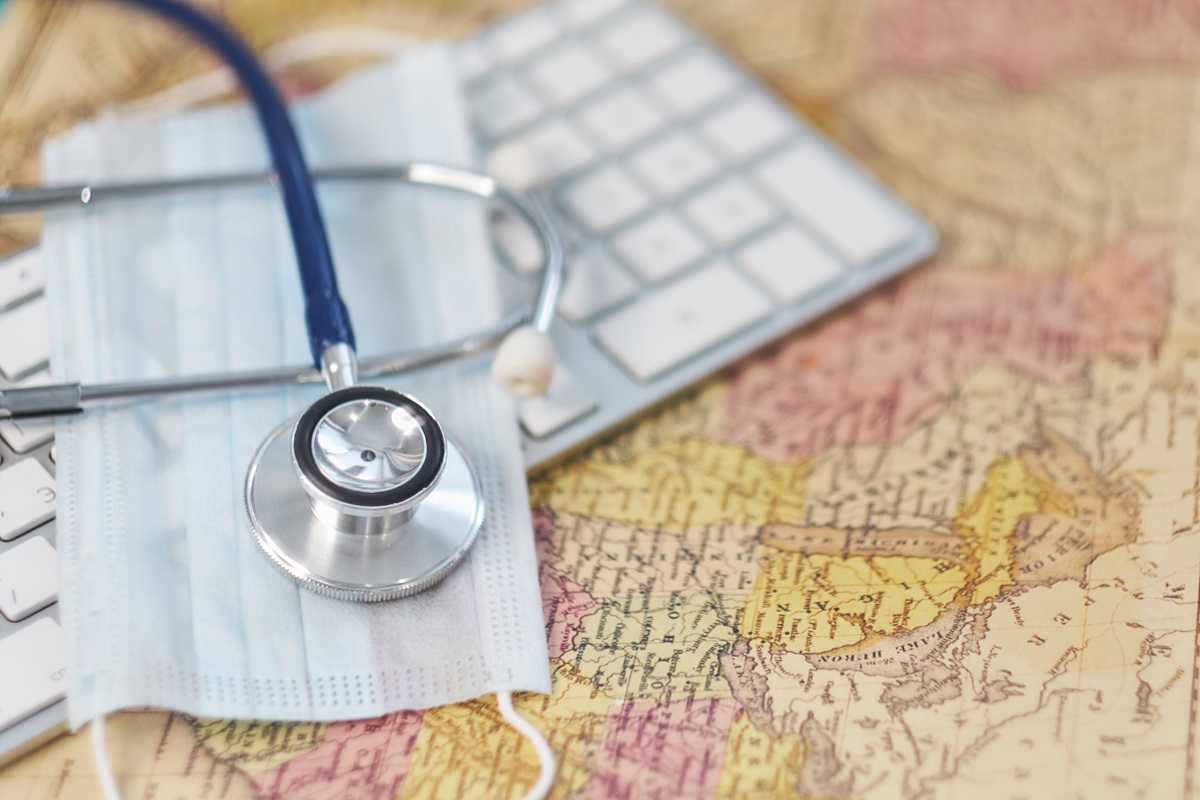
(663, 750)
(893, 362)
(1027, 42)
(564, 602)
(360, 760)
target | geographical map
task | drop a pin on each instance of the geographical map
(943, 544)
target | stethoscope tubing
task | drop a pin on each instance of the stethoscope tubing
(73, 397)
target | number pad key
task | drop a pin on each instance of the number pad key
(32, 670)
(28, 578)
(21, 277)
(24, 339)
(28, 498)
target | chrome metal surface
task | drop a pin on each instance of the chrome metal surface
(40, 401)
(369, 446)
(339, 366)
(354, 566)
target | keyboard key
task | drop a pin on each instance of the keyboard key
(548, 152)
(659, 247)
(673, 164)
(604, 199)
(569, 73)
(520, 35)
(470, 60)
(24, 339)
(748, 127)
(789, 263)
(694, 82)
(32, 671)
(621, 118)
(26, 434)
(21, 277)
(581, 12)
(521, 248)
(594, 284)
(503, 106)
(728, 211)
(841, 205)
(564, 402)
(664, 329)
(28, 578)
(27, 498)
(642, 37)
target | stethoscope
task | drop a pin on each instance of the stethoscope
(364, 496)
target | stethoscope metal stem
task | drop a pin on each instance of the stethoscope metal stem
(69, 398)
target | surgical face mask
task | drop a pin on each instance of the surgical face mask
(166, 599)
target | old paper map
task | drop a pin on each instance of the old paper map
(945, 544)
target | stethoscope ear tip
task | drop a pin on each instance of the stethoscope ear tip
(524, 363)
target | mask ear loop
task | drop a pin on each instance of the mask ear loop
(104, 773)
(535, 737)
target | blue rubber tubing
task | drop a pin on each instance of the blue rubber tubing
(325, 313)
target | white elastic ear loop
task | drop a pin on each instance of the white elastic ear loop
(103, 768)
(535, 737)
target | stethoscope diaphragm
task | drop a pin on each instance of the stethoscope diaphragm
(364, 497)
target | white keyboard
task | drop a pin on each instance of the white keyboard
(32, 662)
(705, 220)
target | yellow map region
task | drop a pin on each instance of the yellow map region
(679, 483)
(812, 604)
(1010, 493)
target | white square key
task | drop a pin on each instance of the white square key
(842, 206)
(24, 339)
(27, 498)
(694, 81)
(659, 247)
(578, 13)
(666, 328)
(522, 249)
(521, 34)
(621, 118)
(673, 163)
(23, 435)
(28, 578)
(604, 199)
(33, 667)
(789, 263)
(470, 60)
(503, 106)
(728, 211)
(541, 156)
(594, 284)
(21, 277)
(748, 126)
(569, 73)
(643, 36)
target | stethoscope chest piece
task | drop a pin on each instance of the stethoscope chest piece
(364, 497)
